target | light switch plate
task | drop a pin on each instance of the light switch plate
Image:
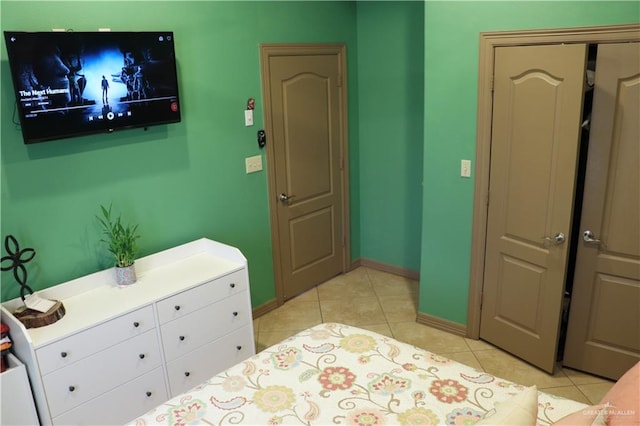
(465, 168)
(253, 164)
(248, 117)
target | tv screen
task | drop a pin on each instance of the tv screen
(76, 83)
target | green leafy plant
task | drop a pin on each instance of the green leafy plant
(120, 239)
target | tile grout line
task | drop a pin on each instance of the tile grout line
(477, 360)
(373, 288)
(386, 319)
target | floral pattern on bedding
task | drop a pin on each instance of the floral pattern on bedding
(338, 374)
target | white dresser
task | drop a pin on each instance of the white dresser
(122, 350)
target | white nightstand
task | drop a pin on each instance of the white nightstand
(15, 393)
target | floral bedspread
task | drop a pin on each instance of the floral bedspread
(338, 374)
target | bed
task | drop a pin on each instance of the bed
(338, 374)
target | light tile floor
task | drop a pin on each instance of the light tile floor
(387, 304)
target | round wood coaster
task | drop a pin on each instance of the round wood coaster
(35, 319)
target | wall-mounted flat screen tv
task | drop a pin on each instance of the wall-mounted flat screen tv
(76, 83)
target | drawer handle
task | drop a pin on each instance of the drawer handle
(136, 324)
(72, 388)
(177, 307)
(186, 373)
(149, 394)
(239, 347)
(232, 285)
(235, 314)
(63, 354)
(181, 338)
(141, 356)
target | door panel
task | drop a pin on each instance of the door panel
(603, 335)
(305, 94)
(535, 135)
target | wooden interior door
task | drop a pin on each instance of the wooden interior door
(603, 334)
(537, 103)
(306, 100)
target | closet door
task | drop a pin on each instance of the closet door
(537, 107)
(603, 335)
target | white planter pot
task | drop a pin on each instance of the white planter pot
(126, 275)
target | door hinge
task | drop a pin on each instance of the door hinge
(339, 80)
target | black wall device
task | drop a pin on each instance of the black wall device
(262, 138)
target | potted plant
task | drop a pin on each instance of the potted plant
(121, 242)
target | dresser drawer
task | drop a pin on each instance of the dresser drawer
(120, 405)
(75, 384)
(204, 325)
(95, 339)
(193, 299)
(195, 367)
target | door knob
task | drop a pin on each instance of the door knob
(284, 197)
(589, 237)
(557, 239)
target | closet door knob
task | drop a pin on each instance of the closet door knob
(181, 338)
(72, 388)
(589, 237)
(557, 239)
(63, 354)
(232, 285)
(235, 314)
(177, 307)
(141, 356)
(186, 373)
(136, 324)
(239, 347)
(149, 394)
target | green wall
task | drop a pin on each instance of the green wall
(390, 119)
(179, 182)
(451, 71)
(410, 125)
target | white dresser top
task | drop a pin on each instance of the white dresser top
(96, 298)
